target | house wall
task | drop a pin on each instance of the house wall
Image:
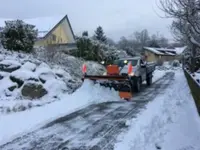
(168, 58)
(151, 57)
(60, 35)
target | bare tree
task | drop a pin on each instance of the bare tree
(186, 24)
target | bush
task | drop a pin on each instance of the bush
(94, 50)
(17, 35)
(176, 63)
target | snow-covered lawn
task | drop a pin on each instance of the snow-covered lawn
(170, 122)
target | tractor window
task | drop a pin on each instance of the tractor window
(122, 63)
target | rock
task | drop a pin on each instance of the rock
(45, 74)
(33, 90)
(29, 66)
(17, 80)
(19, 107)
(61, 73)
(22, 75)
(9, 65)
(11, 88)
(1, 77)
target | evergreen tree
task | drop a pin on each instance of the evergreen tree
(85, 33)
(100, 35)
(17, 35)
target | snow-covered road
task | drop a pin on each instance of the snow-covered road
(169, 122)
(94, 127)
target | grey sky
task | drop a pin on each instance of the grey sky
(117, 17)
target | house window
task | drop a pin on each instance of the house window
(53, 37)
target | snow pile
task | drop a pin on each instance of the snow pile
(171, 65)
(170, 122)
(21, 122)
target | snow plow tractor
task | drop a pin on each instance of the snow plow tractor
(124, 75)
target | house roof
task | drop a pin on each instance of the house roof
(179, 50)
(44, 24)
(161, 51)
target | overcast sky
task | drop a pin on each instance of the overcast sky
(117, 17)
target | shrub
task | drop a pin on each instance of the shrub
(17, 35)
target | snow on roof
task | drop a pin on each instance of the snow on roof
(169, 53)
(154, 50)
(161, 51)
(165, 49)
(179, 50)
(43, 24)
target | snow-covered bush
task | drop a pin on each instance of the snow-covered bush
(175, 63)
(90, 49)
(17, 35)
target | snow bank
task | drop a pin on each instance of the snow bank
(170, 122)
(14, 124)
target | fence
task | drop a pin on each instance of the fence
(195, 89)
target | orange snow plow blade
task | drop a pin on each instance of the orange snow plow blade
(106, 77)
(113, 79)
(125, 95)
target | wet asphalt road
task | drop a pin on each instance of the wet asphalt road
(95, 127)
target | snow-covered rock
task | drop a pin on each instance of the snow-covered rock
(29, 66)
(6, 84)
(61, 73)
(55, 87)
(22, 75)
(45, 73)
(9, 65)
(4, 74)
